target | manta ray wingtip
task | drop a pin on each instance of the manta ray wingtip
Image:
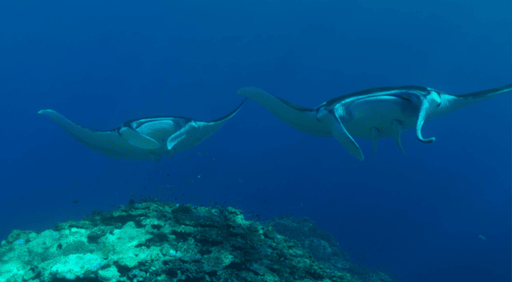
(45, 111)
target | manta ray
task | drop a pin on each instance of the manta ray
(374, 113)
(144, 138)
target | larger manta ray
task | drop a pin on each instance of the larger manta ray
(372, 113)
(143, 139)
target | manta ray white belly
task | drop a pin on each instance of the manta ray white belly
(379, 115)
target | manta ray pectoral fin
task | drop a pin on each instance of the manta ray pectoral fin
(375, 135)
(341, 134)
(397, 128)
(110, 143)
(138, 140)
(175, 138)
(421, 119)
(301, 118)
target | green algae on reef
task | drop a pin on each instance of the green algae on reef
(153, 241)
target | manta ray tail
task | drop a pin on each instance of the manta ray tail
(303, 119)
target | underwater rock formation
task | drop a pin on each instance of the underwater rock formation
(153, 241)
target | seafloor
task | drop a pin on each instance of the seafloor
(153, 241)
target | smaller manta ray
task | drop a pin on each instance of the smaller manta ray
(372, 113)
(143, 139)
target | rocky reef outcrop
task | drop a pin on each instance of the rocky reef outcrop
(323, 247)
(153, 241)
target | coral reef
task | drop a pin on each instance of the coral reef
(323, 247)
(153, 241)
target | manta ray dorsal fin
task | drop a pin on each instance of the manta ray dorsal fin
(341, 134)
(138, 139)
(175, 138)
(421, 119)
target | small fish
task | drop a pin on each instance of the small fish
(75, 202)
(190, 180)
(199, 176)
(482, 237)
(240, 180)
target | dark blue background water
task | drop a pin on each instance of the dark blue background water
(416, 217)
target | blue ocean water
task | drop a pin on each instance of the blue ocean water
(416, 217)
